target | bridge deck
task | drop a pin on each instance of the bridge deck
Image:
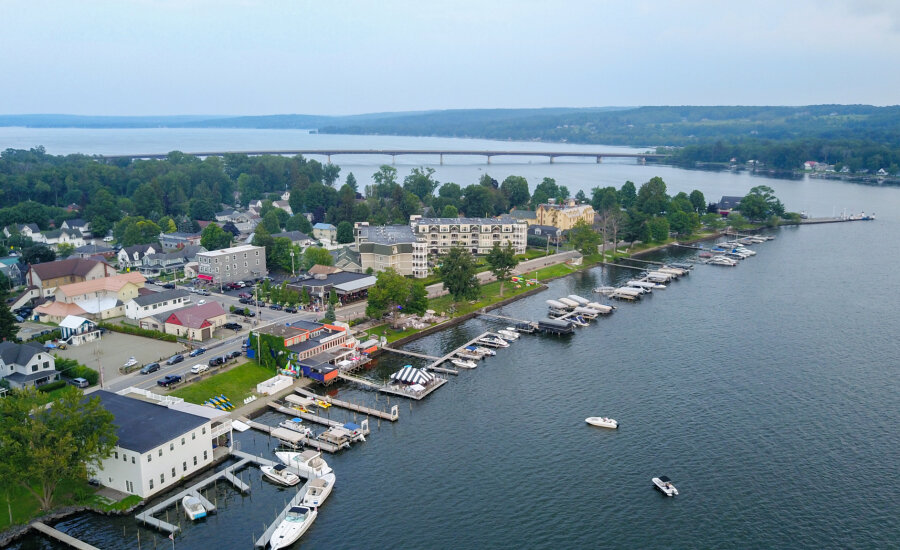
(398, 152)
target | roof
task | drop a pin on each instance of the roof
(113, 284)
(59, 309)
(293, 236)
(141, 425)
(412, 375)
(184, 252)
(197, 316)
(141, 249)
(232, 250)
(387, 234)
(76, 222)
(93, 249)
(729, 202)
(467, 221)
(336, 279)
(181, 235)
(18, 354)
(324, 226)
(523, 214)
(72, 266)
(323, 270)
(157, 297)
(542, 230)
(73, 321)
(357, 284)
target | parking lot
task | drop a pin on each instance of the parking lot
(115, 348)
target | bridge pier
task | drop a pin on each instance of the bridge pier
(599, 159)
(642, 160)
(551, 159)
(393, 159)
(329, 159)
(442, 159)
(488, 159)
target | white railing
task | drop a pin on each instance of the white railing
(221, 429)
(164, 399)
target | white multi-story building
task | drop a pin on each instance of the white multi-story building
(146, 305)
(391, 246)
(160, 444)
(23, 365)
(477, 235)
(230, 265)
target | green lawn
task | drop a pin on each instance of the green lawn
(490, 293)
(24, 506)
(235, 384)
(553, 271)
(391, 334)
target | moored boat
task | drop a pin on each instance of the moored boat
(493, 341)
(279, 473)
(605, 290)
(318, 491)
(664, 484)
(509, 334)
(308, 463)
(463, 363)
(295, 425)
(292, 527)
(602, 422)
(193, 507)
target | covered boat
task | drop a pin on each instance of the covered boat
(411, 375)
(318, 490)
(664, 484)
(193, 507)
(576, 298)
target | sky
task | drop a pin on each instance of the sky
(332, 57)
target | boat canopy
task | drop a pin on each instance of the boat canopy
(285, 434)
(412, 375)
(568, 302)
(557, 305)
(351, 426)
(579, 299)
(555, 323)
(664, 479)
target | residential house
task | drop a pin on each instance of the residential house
(78, 224)
(727, 204)
(170, 262)
(297, 238)
(24, 365)
(90, 250)
(325, 232)
(176, 240)
(347, 258)
(10, 267)
(477, 235)
(391, 246)
(132, 257)
(25, 229)
(256, 206)
(160, 444)
(101, 298)
(196, 322)
(349, 287)
(230, 265)
(56, 237)
(553, 235)
(77, 330)
(564, 216)
(146, 305)
(50, 275)
(527, 216)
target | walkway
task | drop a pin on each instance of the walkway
(62, 537)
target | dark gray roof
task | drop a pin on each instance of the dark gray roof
(293, 236)
(76, 222)
(25, 379)
(387, 234)
(729, 202)
(93, 249)
(542, 230)
(141, 249)
(523, 214)
(155, 298)
(142, 426)
(332, 279)
(18, 354)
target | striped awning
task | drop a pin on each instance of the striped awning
(412, 375)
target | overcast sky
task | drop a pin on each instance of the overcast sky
(236, 57)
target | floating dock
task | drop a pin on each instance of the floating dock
(263, 540)
(62, 537)
(392, 416)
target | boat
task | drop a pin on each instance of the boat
(509, 334)
(318, 491)
(323, 404)
(555, 326)
(576, 298)
(527, 328)
(664, 484)
(586, 312)
(578, 320)
(721, 260)
(279, 473)
(493, 341)
(292, 527)
(483, 351)
(131, 362)
(463, 363)
(308, 463)
(193, 507)
(602, 422)
(601, 308)
(684, 266)
(294, 424)
(706, 254)
(605, 290)
(468, 355)
(568, 302)
(555, 304)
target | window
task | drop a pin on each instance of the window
(204, 455)
(182, 441)
(171, 446)
(195, 461)
(204, 430)
(173, 473)
(193, 436)
(183, 466)
(33, 368)
(46, 364)
(132, 460)
(151, 483)
(160, 452)
(149, 458)
(162, 478)
(117, 455)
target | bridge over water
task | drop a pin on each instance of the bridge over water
(394, 153)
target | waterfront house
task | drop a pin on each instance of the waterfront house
(564, 215)
(546, 233)
(349, 287)
(160, 444)
(728, 203)
(24, 365)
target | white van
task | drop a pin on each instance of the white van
(197, 369)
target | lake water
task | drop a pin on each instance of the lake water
(767, 392)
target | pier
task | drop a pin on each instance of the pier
(263, 540)
(392, 416)
(62, 537)
(409, 353)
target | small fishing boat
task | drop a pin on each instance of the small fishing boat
(308, 463)
(464, 364)
(605, 290)
(295, 424)
(318, 491)
(493, 341)
(483, 351)
(508, 334)
(664, 484)
(468, 355)
(602, 422)
(292, 527)
(193, 507)
(323, 404)
(279, 473)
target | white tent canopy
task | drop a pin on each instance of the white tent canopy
(412, 375)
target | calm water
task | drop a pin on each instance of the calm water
(768, 392)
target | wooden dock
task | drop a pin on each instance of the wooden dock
(409, 353)
(401, 391)
(263, 540)
(392, 416)
(314, 443)
(360, 380)
(501, 317)
(62, 537)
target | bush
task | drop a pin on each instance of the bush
(136, 331)
(52, 335)
(46, 388)
(354, 322)
(73, 369)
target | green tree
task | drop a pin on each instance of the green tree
(502, 262)
(45, 446)
(314, 255)
(478, 201)
(458, 273)
(760, 203)
(515, 188)
(329, 316)
(421, 183)
(333, 298)
(680, 222)
(450, 211)
(713, 221)
(652, 199)
(214, 237)
(737, 221)
(385, 182)
(37, 254)
(8, 326)
(351, 181)
(393, 293)
(278, 254)
(299, 222)
(305, 298)
(330, 174)
(698, 201)
(270, 223)
(627, 195)
(659, 228)
(584, 238)
(64, 250)
(344, 232)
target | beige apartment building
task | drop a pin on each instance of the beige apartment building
(477, 235)
(564, 216)
(390, 246)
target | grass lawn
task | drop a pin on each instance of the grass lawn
(490, 293)
(25, 507)
(391, 334)
(235, 384)
(532, 253)
(553, 271)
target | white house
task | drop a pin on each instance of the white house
(25, 229)
(133, 256)
(24, 365)
(158, 302)
(57, 237)
(77, 330)
(160, 444)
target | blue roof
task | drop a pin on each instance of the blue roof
(323, 226)
(351, 426)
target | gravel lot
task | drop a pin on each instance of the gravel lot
(115, 348)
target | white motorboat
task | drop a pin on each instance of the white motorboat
(485, 351)
(308, 463)
(605, 290)
(602, 422)
(664, 484)
(601, 308)
(318, 491)
(279, 473)
(463, 363)
(509, 334)
(468, 355)
(131, 362)
(493, 341)
(295, 425)
(193, 507)
(721, 260)
(576, 298)
(292, 527)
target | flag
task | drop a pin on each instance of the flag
(171, 536)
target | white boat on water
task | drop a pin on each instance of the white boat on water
(605, 290)
(463, 363)
(292, 527)
(279, 473)
(493, 341)
(308, 463)
(318, 491)
(664, 484)
(295, 425)
(485, 351)
(463, 354)
(193, 507)
(602, 422)
(508, 334)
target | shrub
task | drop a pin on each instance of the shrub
(136, 331)
(73, 369)
(46, 388)
(52, 335)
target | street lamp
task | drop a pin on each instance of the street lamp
(293, 273)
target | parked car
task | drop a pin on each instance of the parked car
(233, 326)
(201, 302)
(290, 310)
(276, 307)
(149, 367)
(196, 352)
(215, 361)
(170, 286)
(245, 301)
(79, 382)
(178, 358)
(245, 295)
(169, 379)
(240, 284)
(234, 354)
(260, 303)
(203, 292)
(199, 367)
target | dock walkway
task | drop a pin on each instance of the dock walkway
(62, 537)
(392, 416)
(314, 443)
(263, 540)
(410, 353)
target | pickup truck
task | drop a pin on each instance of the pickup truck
(169, 379)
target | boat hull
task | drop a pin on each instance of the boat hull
(601, 422)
